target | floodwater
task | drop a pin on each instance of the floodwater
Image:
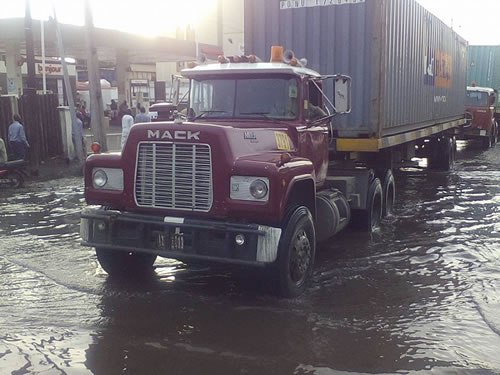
(420, 295)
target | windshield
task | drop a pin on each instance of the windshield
(477, 99)
(269, 97)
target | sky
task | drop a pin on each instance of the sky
(145, 17)
(475, 20)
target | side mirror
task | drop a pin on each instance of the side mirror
(342, 94)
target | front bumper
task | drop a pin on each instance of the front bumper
(179, 238)
(472, 132)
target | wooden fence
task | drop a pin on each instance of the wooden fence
(41, 124)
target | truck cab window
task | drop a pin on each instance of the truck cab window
(271, 96)
(315, 109)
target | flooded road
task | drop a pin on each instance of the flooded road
(421, 295)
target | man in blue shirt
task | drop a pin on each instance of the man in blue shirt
(17, 138)
(142, 116)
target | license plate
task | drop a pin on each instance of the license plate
(482, 132)
(171, 241)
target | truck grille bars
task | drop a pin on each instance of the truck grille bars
(175, 176)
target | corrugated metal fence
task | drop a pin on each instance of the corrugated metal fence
(41, 124)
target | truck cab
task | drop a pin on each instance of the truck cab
(480, 105)
(242, 179)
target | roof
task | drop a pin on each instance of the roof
(140, 49)
(245, 68)
(488, 90)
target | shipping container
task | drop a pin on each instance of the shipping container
(484, 66)
(408, 68)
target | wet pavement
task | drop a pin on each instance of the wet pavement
(420, 295)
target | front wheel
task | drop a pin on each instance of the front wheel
(296, 251)
(118, 263)
(13, 179)
(442, 156)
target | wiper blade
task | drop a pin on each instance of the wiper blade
(262, 114)
(204, 113)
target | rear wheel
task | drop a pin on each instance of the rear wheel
(296, 251)
(388, 193)
(368, 219)
(121, 263)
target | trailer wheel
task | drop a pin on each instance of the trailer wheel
(119, 263)
(296, 251)
(388, 193)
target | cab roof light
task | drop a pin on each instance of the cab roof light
(277, 54)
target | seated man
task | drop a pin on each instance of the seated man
(3, 152)
(315, 112)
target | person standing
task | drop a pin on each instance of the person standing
(122, 109)
(127, 122)
(114, 109)
(78, 137)
(142, 116)
(17, 138)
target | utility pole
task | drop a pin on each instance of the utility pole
(67, 84)
(30, 49)
(31, 116)
(96, 105)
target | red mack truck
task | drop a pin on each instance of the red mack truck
(270, 160)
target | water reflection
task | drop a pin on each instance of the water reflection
(420, 295)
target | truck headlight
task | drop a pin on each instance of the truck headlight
(249, 188)
(99, 178)
(258, 189)
(107, 178)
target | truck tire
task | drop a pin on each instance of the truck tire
(368, 219)
(15, 179)
(119, 263)
(296, 251)
(494, 135)
(486, 142)
(388, 193)
(442, 156)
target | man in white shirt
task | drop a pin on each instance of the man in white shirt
(127, 122)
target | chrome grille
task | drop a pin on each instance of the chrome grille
(174, 175)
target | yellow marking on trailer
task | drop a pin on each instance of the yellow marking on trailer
(357, 144)
(377, 144)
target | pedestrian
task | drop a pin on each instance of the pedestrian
(78, 137)
(127, 122)
(142, 116)
(17, 138)
(114, 109)
(122, 109)
(3, 152)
